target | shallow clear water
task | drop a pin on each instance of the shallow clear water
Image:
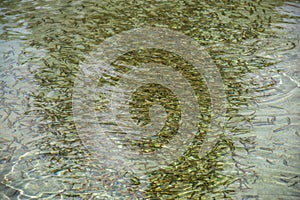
(255, 47)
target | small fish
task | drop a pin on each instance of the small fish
(269, 162)
(283, 180)
(295, 183)
(277, 107)
(278, 129)
(273, 119)
(266, 149)
(289, 120)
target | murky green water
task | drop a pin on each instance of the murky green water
(255, 46)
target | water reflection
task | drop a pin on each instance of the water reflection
(42, 45)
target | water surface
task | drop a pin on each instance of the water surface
(255, 46)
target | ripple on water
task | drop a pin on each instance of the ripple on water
(270, 86)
